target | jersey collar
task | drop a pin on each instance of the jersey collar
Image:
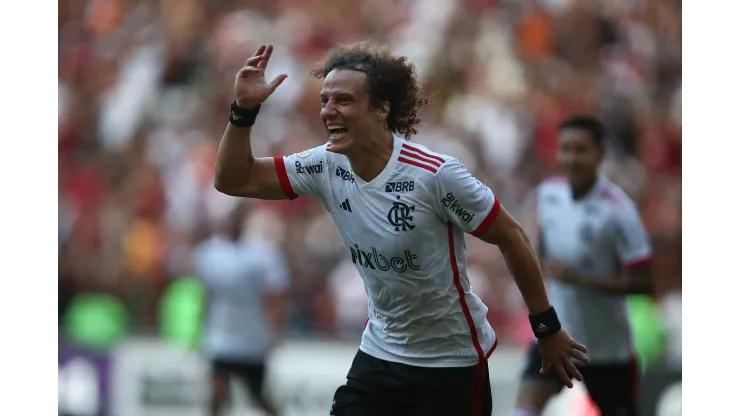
(385, 174)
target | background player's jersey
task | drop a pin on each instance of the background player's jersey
(404, 231)
(597, 236)
(238, 274)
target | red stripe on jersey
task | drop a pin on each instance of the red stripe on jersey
(366, 321)
(283, 178)
(461, 292)
(420, 158)
(421, 152)
(481, 367)
(328, 147)
(611, 196)
(418, 164)
(493, 348)
(490, 218)
(638, 262)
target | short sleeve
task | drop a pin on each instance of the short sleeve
(632, 242)
(464, 200)
(302, 173)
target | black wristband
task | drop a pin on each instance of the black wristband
(243, 117)
(545, 324)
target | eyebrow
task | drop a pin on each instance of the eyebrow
(339, 94)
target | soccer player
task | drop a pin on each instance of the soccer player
(246, 280)
(402, 211)
(594, 250)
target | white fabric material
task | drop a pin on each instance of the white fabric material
(237, 275)
(398, 229)
(597, 236)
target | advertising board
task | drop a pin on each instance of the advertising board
(84, 382)
(151, 378)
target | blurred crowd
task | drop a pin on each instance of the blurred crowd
(144, 89)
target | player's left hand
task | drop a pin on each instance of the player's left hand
(557, 350)
(560, 270)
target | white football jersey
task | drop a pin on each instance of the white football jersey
(237, 275)
(404, 231)
(597, 235)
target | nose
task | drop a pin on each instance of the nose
(328, 111)
(567, 160)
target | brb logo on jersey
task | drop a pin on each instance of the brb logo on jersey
(310, 169)
(449, 201)
(345, 174)
(403, 186)
(372, 260)
(400, 216)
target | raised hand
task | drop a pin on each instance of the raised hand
(250, 86)
(557, 351)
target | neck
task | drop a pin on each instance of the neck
(581, 190)
(370, 159)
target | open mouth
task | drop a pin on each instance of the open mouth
(336, 131)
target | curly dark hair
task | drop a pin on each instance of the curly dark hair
(389, 78)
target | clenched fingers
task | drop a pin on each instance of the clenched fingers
(247, 71)
(254, 61)
(258, 52)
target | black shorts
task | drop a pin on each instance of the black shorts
(612, 387)
(381, 388)
(251, 374)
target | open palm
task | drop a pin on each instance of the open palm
(557, 350)
(250, 86)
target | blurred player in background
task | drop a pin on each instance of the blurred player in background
(246, 280)
(402, 211)
(594, 251)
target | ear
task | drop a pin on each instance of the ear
(383, 110)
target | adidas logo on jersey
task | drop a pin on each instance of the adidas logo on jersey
(345, 205)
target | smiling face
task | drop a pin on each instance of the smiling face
(347, 111)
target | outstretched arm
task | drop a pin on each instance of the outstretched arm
(556, 346)
(238, 172)
(471, 206)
